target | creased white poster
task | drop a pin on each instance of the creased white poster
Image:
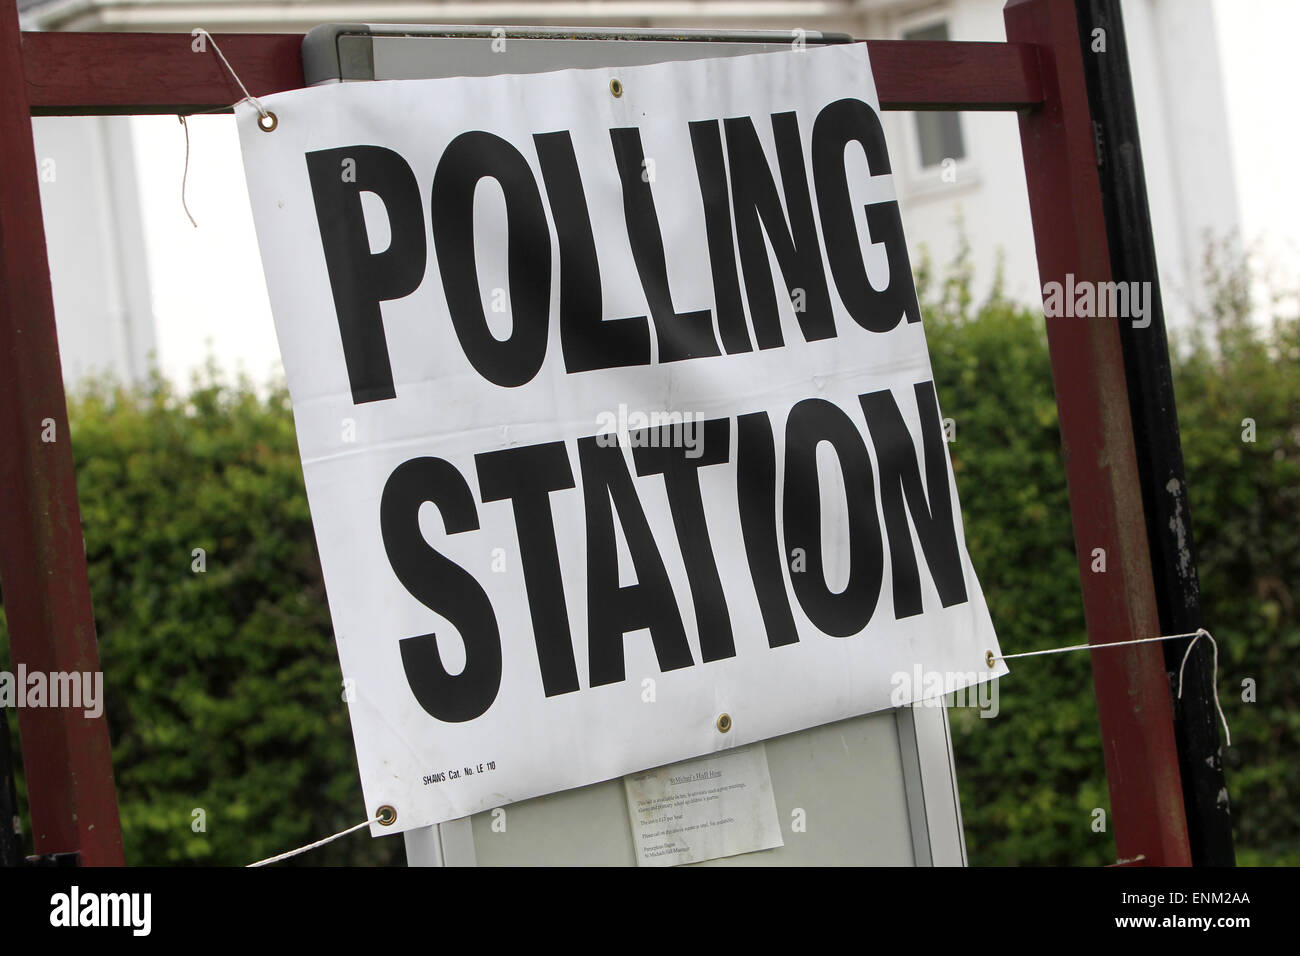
(615, 413)
(703, 809)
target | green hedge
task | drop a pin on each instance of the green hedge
(1031, 778)
(224, 689)
(1245, 508)
(223, 686)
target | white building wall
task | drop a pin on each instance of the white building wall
(1215, 167)
(988, 203)
(1256, 45)
(95, 244)
(1182, 120)
(1216, 154)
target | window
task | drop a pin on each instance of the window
(938, 135)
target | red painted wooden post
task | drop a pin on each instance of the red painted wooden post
(1133, 697)
(66, 755)
(126, 73)
(75, 73)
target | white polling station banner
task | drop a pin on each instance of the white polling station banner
(616, 417)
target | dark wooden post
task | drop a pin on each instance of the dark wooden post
(1155, 430)
(66, 755)
(1133, 698)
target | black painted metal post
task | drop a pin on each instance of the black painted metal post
(1155, 429)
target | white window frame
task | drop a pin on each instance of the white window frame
(914, 179)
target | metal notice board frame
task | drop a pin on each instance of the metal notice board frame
(1039, 74)
(886, 784)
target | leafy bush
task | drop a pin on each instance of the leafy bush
(1238, 388)
(223, 686)
(1031, 778)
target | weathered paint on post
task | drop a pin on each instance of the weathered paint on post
(1133, 698)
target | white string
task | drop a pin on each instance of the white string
(185, 175)
(1093, 647)
(1214, 685)
(312, 846)
(262, 112)
(247, 95)
(1194, 635)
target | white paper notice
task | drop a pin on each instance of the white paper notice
(703, 809)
